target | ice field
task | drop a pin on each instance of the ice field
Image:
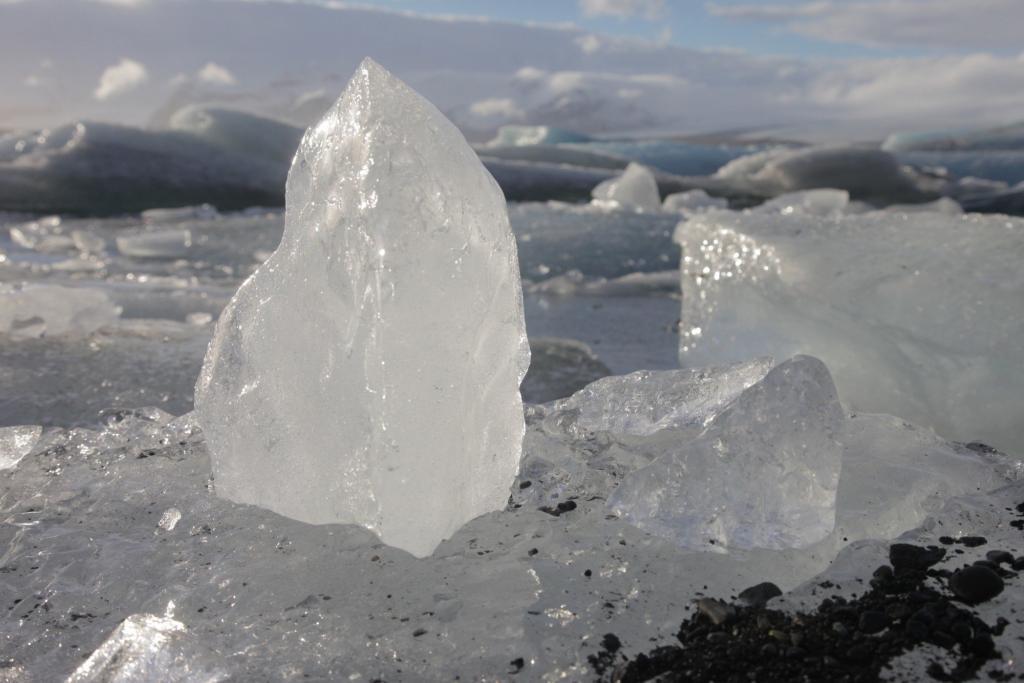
(250, 443)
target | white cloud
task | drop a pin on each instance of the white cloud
(973, 24)
(647, 9)
(589, 44)
(215, 74)
(120, 78)
(503, 107)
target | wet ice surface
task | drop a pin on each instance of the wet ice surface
(242, 591)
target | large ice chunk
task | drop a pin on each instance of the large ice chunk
(867, 174)
(636, 188)
(691, 201)
(919, 315)
(369, 371)
(763, 473)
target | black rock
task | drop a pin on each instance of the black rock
(976, 584)
(759, 595)
(999, 557)
(907, 556)
(872, 621)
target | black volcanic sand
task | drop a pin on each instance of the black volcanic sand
(842, 639)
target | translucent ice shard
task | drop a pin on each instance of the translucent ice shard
(636, 188)
(368, 372)
(16, 443)
(648, 401)
(147, 647)
(762, 474)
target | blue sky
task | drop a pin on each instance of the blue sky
(689, 23)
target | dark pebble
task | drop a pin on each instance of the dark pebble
(999, 557)
(872, 622)
(759, 595)
(769, 650)
(907, 556)
(611, 642)
(916, 630)
(1018, 564)
(973, 541)
(860, 651)
(976, 584)
(897, 611)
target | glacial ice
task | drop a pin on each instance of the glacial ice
(100, 168)
(870, 175)
(635, 188)
(763, 473)
(239, 133)
(692, 200)
(368, 372)
(519, 136)
(33, 310)
(916, 314)
(1008, 137)
(156, 244)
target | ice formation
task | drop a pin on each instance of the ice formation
(34, 310)
(916, 314)
(867, 174)
(762, 473)
(156, 244)
(636, 188)
(693, 200)
(369, 371)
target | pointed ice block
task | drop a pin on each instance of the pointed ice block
(368, 372)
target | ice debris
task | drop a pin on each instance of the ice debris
(147, 647)
(36, 310)
(918, 315)
(763, 473)
(636, 189)
(693, 200)
(156, 244)
(369, 371)
(16, 443)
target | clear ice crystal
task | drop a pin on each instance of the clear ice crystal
(16, 443)
(368, 372)
(635, 188)
(147, 647)
(762, 474)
